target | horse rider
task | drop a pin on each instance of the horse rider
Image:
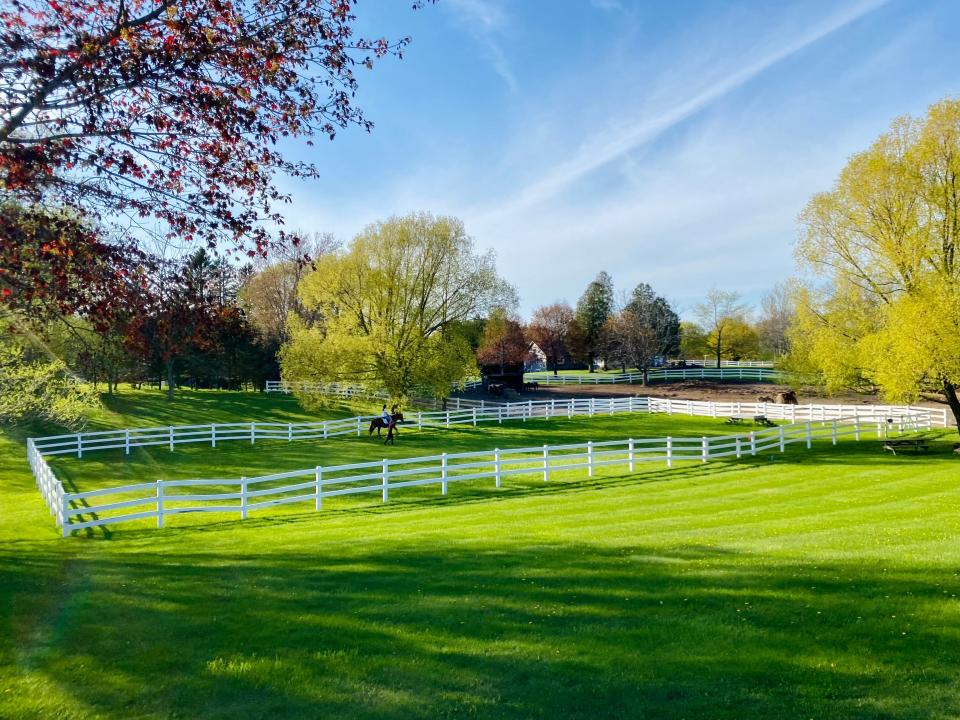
(385, 416)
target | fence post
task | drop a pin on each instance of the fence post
(443, 474)
(669, 451)
(592, 401)
(448, 418)
(474, 417)
(630, 452)
(358, 426)
(753, 443)
(79, 445)
(856, 428)
(590, 458)
(64, 513)
(569, 409)
(290, 432)
(253, 433)
(781, 439)
(318, 503)
(419, 420)
(546, 464)
(530, 408)
(553, 406)
(159, 503)
(171, 438)
(324, 429)
(243, 498)
(808, 435)
(833, 433)
(704, 448)
(213, 434)
(126, 441)
(385, 474)
(500, 414)
(736, 443)
(713, 410)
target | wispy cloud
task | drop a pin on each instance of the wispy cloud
(614, 142)
(607, 4)
(485, 20)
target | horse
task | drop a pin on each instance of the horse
(378, 424)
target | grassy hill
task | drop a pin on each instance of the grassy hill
(812, 584)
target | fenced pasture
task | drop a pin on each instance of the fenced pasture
(815, 583)
(161, 498)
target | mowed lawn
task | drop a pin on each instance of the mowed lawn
(811, 584)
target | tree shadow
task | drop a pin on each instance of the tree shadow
(499, 631)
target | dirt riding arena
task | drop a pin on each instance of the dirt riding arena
(696, 390)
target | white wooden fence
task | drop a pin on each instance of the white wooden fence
(352, 392)
(167, 497)
(757, 374)
(708, 362)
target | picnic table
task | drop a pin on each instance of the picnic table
(917, 443)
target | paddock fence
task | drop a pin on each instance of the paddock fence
(746, 374)
(356, 392)
(161, 498)
(708, 362)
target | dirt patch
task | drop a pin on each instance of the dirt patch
(699, 390)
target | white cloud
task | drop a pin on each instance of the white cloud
(620, 138)
(485, 20)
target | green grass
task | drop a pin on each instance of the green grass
(813, 584)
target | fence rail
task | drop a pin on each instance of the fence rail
(72, 510)
(352, 392)
(727, 363)
(172, 435)
(312, 485)
(757, 374)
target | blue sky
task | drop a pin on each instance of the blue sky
(672, 143)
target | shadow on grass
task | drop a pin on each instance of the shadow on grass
(501, 631)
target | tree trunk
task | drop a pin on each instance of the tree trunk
(169, 365)
(645, 376)
(950, 390)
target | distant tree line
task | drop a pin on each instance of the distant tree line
(637, 331)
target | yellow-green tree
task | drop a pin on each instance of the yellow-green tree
(388, 307)
(886, 240)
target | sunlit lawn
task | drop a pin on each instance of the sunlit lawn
(809, 584)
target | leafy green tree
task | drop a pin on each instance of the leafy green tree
(593, 309)
(693, 341)
(387, 309)
(886, 239)
(656, 331)
(719, 313)
(35, 386)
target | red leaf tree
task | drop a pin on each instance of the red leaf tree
(503, 342)
(164, 117)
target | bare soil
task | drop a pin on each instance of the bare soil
(700, 390)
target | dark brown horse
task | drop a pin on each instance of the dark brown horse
(378, 423)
